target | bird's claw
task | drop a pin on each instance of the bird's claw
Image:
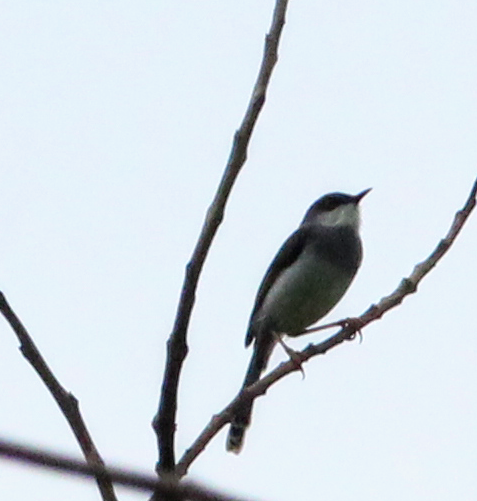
(355, 324)
(294, 356)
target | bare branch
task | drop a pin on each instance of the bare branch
(164, 421)
(65, 400)
(348, 332)
(139, 481)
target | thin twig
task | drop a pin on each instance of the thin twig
(66, 401)
(164, 421)
(135, 480)
(348, 332)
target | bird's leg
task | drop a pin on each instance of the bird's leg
(354, 323)
(339, 323)
(291, 353)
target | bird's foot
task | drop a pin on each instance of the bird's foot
(294, 356)
(355, 324)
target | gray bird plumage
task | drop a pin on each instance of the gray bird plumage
(308, 276)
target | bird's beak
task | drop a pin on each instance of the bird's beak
(359, 196)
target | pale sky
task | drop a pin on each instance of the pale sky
(117, 120)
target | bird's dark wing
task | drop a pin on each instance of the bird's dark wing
(285, 257)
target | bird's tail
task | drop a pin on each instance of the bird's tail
(242, 417)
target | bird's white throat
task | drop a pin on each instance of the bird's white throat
(344, 215)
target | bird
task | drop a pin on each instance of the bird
(307, 278)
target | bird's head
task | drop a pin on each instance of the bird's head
(336, 209)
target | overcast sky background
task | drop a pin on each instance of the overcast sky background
(116, 122)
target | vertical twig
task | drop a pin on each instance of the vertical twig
(164, 422)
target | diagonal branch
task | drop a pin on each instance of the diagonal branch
(164, 421)
(348, 332)
(36, 457)
(67, 402)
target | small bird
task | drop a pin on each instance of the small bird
(309, 275)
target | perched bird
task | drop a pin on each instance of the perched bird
(309, 275)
